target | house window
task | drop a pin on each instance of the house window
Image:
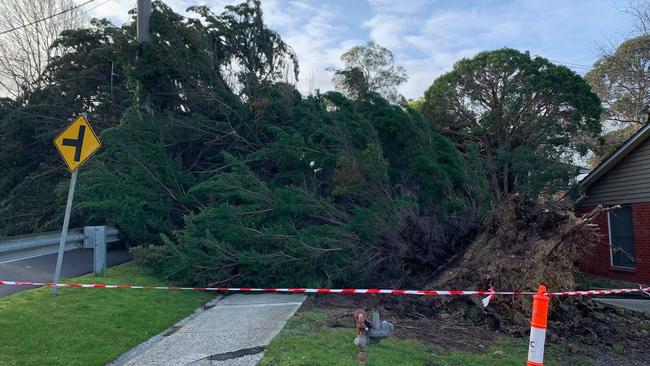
(621, 241)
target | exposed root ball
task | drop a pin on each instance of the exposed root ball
(524, 244)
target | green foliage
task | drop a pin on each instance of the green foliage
(329, 189)
(233, 176)
(523, 113)
(416, 103)
(243, 41)
(138, 183)
(34, 179)
(370, 68)
(621, 81)
(266, 233)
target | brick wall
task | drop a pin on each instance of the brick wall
(598, 260)
(641, 228)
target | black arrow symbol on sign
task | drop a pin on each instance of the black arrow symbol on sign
(77, 144)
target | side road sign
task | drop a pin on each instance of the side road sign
(76, 143)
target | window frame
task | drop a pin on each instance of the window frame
(611, 247)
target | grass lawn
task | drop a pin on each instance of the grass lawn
(88, 326)
(305, 342)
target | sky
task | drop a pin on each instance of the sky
(426, 36)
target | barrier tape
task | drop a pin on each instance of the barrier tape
(490, 293)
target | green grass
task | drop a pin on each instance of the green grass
(305, 342)
(88, 326)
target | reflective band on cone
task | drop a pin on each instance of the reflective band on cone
(536, 346)
(538, 328)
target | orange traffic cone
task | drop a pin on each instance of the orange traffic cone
(538, 328)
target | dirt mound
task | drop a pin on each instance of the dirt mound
(524, 244)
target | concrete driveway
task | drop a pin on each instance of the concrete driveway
(41, 269)
(640, 305)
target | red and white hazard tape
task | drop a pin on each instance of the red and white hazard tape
(491, 293)
(253, 289)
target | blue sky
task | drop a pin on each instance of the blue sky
(428, 36)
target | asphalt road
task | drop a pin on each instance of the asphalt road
(41, 269)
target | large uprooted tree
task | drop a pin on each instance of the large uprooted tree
(235, 176)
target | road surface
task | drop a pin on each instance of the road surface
(41, 269)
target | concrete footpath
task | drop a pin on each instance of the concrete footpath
(233, 331)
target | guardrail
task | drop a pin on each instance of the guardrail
(19, 247)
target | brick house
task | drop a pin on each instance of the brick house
(621, 179)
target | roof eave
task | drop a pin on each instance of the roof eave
(614, 158)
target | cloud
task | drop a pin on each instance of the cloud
(400, 7)
(389, 30)
(426, 36)
(316, 33)
(422, 72)
(451, 30)
(428, 43)
(315, 30)
(114, 10)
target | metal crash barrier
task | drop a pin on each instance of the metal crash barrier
(13, 248)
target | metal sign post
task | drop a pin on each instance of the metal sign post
(64, 230)
(76, 144)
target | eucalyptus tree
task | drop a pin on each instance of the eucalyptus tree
(622, 81)
(370, 68)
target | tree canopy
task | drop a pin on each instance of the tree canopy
(370, 68)
(235, 176)
(250, 52)
(522, 114)
(622, 81)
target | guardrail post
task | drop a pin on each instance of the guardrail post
(89, 237)
(95, 237)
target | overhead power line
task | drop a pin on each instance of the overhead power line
(46, 18)
(97, 6)
(571, 64)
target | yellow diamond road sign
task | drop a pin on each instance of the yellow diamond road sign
(76, 143)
